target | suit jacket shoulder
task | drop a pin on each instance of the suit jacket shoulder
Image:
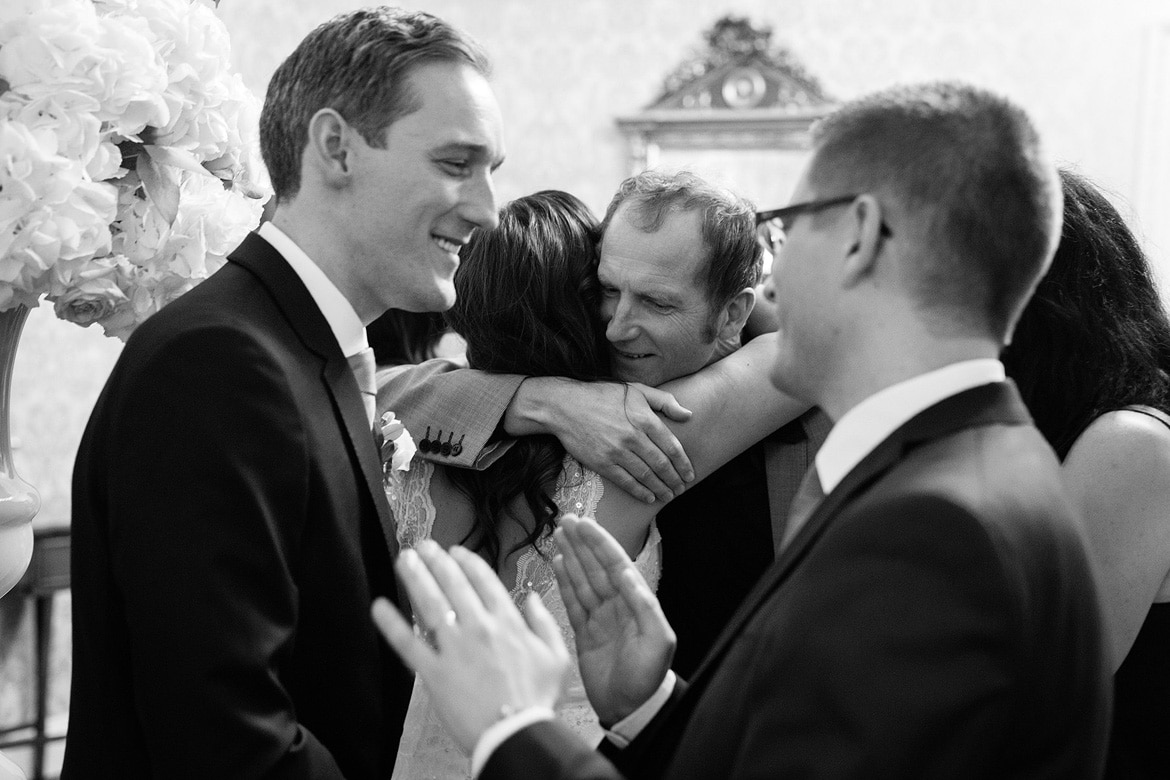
(936, 617)
(440, 402)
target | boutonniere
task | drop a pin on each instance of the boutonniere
(397, 446)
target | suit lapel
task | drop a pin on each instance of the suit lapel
(310, 325)
(997, 403)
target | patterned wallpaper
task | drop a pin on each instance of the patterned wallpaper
(564, 69)
(1093, 74)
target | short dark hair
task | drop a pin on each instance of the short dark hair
(1095, 337)
(728, 227)
(527, 301)
(356, 63)
(966, 169)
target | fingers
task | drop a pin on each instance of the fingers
(661, 449)
(577, 582)
(484, 580)
(668, 455)
(578, 617)
(636, 477)
(596, 557)
(599, 552)
(543, 624)
(427, 597)
(399, 633)
(644, 605)
(664, 403)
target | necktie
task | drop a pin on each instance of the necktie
(808, 497)
(362, 364)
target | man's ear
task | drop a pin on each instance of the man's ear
(864, 221)
(735, 314)
(329, 151)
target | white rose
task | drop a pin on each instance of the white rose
(84, 220)
(48, 210)
(92, 295)
(106, 162)
(65, 46)
(221, 218)
(398, 447)
(32, 174)
(139, 231)
(14, 16)
(198, 53)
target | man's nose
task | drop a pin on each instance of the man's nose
(478, 202)
(619, 325)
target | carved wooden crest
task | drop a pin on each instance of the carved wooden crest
(739, 92)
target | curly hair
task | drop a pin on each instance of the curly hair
(1095, 336)
(527, 301)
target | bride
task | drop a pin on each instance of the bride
(527, 301)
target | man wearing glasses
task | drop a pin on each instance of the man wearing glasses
(933, 612)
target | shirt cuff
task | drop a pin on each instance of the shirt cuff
(499, 732)
(629, 727)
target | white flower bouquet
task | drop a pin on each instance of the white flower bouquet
(129, 155)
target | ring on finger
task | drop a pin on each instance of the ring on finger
(426, 635)
(449, 617)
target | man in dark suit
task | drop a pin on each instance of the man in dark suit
(230, 528)
(678, 263)
(932, 613)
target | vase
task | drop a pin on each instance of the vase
(19, 501)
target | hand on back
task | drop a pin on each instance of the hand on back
(615, 429)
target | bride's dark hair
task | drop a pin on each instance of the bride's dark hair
(527, 301)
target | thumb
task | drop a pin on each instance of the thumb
(665, 404)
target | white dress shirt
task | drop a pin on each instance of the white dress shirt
(871, 422)
(339, 312)
(853, 437)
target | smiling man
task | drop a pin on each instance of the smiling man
(934, 614)
(229, 525)
(678, 263)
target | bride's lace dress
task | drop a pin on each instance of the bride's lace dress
(426, 750)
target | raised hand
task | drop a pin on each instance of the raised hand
(479, 657)
(624, 644)
(613, 428)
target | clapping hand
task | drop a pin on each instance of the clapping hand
(624, 644)
(478, 656)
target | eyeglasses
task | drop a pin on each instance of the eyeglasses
(809, 207)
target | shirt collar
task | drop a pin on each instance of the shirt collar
(338, 311)
(871, 422)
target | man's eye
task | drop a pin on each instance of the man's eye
(608, 292)
(456, 167)
(664, 308)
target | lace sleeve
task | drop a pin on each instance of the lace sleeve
(409, 495)
(578, 491)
